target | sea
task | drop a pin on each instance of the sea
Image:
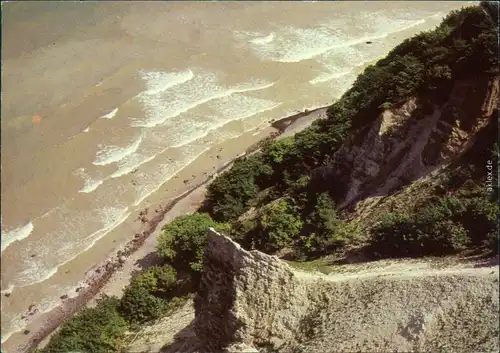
(103, 103)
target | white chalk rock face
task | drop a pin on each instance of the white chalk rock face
(247, 297)
(409, 141)
(252, 302)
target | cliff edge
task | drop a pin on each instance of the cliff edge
(252, 302)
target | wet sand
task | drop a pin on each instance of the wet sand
(112, 275)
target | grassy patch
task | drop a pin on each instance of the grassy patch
(322, 265)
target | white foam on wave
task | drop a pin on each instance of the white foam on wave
(129, 164)
(233, 108)
(325, 77)
(183, 130)
(16, 323)
(143, 154)
(237, 107)
(159, 106)
(90, 184)
(111, 217)
(385, 28)
(112, 154)
(17, 234)
(6, 290)
(110, 115)
(151, 182)
(52, 210)
(263, 40)
(343, 64)
(158, 82)
(295, 44)
(86, 129)
(56, 250)
(291, 44)
(302, 50)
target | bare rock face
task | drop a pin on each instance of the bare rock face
(410, 141)
(252, 302)
(246, 297)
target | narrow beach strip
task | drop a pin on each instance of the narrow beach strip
(97, 277)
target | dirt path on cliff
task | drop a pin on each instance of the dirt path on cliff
(404, 269)
(153, 337)
(428, 305)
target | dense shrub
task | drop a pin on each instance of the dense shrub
(95, 330)
(244, 232)
(315, 144)
(158, 280)
(274, 152)
(228, 195)
(277, 225)
(480, 218)
(183, 241)
(323, 231)
(147, 297)
(446, 225)
(138, 305)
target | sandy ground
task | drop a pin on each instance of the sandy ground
(111, 277)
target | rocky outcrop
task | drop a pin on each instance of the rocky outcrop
(249, 302)
(246, 297)
(410, 141)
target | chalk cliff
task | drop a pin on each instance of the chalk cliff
(252, 302)
(411, 140)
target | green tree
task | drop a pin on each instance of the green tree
(323, 230)
(274, 152)
(149, 294)
(443, 226)
(138, 305)
(278, 224)
(228, 196)
(480, 219)
(158, 280)
(92, 330)
(182, 241)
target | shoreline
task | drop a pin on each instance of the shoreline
(98, 276)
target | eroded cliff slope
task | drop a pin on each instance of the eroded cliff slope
(412, 140)
(249, 301)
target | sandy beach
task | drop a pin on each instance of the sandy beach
(111, 276)
(188, 203)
